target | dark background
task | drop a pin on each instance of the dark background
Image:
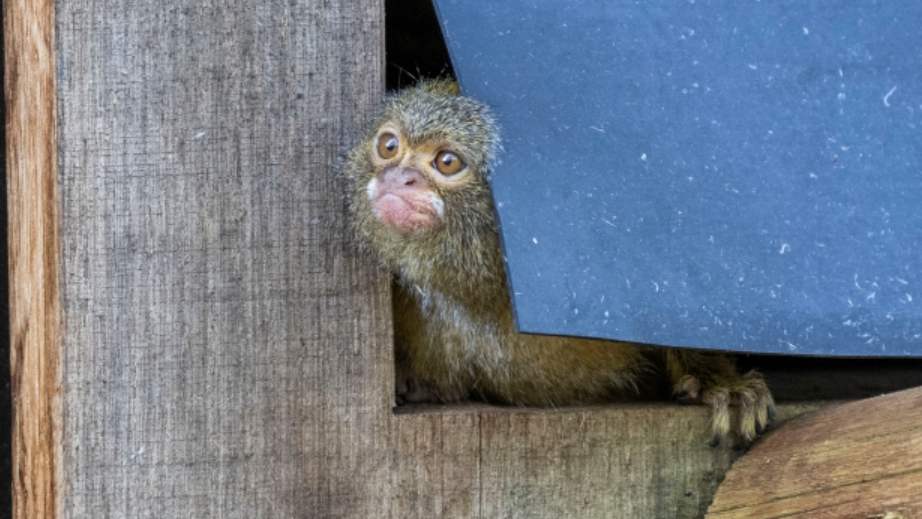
(414, 44)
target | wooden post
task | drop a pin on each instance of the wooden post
(193, 335)
(187, 319)
(34, 242)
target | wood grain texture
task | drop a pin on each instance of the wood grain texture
(858, 460)
(225, 349)
(643, 460)
(34, 255)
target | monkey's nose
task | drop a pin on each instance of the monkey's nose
(404, 178)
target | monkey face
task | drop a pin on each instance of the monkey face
(405, 194)
(417, 184)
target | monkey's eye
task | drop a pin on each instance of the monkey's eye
(388, 145)
(448, 163)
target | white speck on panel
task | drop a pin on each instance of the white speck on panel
(887, 97)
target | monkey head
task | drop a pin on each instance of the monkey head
(418, 183)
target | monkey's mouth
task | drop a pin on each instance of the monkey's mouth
(408, 212)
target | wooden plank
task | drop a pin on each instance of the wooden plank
(434, 470)
(649, 460)
(630, 461)
(858, 460)
(643, 460)
(34, 254)
(226, 354)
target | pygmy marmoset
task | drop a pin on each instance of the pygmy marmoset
(419, 198)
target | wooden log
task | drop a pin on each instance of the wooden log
(858, 460)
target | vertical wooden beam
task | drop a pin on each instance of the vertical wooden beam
(226, 353)
(34, 254)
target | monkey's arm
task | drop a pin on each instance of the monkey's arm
(740, 403)
(423, 367)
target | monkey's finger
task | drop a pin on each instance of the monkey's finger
(764, 403)
(755, 404)
(766, 416)
(747, 415)
(719, 400)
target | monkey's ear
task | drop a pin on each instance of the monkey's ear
(444, 87)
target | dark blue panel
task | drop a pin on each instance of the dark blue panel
(734, 175)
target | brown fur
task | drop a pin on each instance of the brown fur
(454, 331)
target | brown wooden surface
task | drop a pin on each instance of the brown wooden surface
(858, 460)
(224, 352)
(34, 254)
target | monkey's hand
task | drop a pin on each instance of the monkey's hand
(413, 390)
(740, 404)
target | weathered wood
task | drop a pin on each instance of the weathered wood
(225, 353)
(858, 460)
(34, 254)
(631, 461)
(644, 460)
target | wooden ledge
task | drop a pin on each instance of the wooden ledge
(784, 412)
